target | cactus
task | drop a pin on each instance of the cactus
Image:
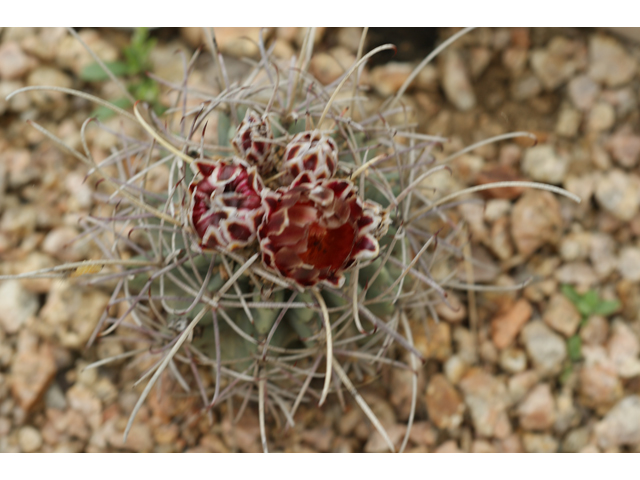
(288, 252)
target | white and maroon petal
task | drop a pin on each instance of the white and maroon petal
(311, 152)
(253, 141)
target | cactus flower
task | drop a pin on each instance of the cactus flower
(226, 204)
(315, 230)
(312, 152)
(253, 142)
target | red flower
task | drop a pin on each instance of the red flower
(311, 152)
(253, 142)
(226, 206)
(313, 231)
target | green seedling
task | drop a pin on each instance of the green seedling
(137, 61)
(587, 304)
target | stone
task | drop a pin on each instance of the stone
(567, 415)
(539, 443)
(496, 208)
(48, 100)
(84, 401)
(506, 327)
(599, 385)
(535, 221)
(621, 425)
(439, 340)
(575, 246)
(486, 397)
(562, 315)
(623, 348)
(455, 312)
(601, 117)
(543, 164)
(62, 243)
(602, 253)
(17, 305)
(423, 433)
(32, 371)
(377, 444)
(14, 63)
(515, 59)
(609, 63)
(555, 64)
(29, 439)
(454, 368)
(538, 411)
(387, 79)
(513, 360)
(568, 123)
(71, 313)
(629, 263)
(455, 81)
(444, 404)
(576, 440)
(624, 146)
(595, 331)
(623, 99)
(450, 446)
(617, 193)
(583, 92)
(500, 239)
(525, 88)
(482, 446)
(72, 55)
(547, 350)
(576, 273)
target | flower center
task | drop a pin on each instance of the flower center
(328, 247)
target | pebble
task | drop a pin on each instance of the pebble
(515, 59)
(538, 411)
(599, 385)
(539, 443)
(72, 55)
(623, 99)
(595, 331)
(444, 404)
(455, 313)
(48, 100)
(547, 350)
(601, 117)
(455, 81)
(621, 425)
(567, 415)
(506, 327)
(387, 79)
(609, 63)
(465, 345)
(575, 246)
(14, 63)
(525, 88)
(629, 263)
(513, 360)
(576, 273)
(18, 305)
(377, 444)
(29, 439)
(602, 254)
(624, 146)
(623, 348)
(562, 315)
(554, 65)
(576, 440)
(617, 193)
(583, 92)
(61, 317)
(500, 239)
(535, 221)
(450, 446)
(485, 397)
(496, 208)
(423, 433)
(61, 243)
(543, 164)
(439, 340)
(454, 368)
(482, 446)
(83, 400)
(568, 122)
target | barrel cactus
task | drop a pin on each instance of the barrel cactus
(282, 260)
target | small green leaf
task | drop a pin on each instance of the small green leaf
(570, 293)
(95, 73)
(607, 307)
(574, 347)
(103, 113)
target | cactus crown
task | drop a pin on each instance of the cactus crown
(286, 249)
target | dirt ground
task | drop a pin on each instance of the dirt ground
(551, 367)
